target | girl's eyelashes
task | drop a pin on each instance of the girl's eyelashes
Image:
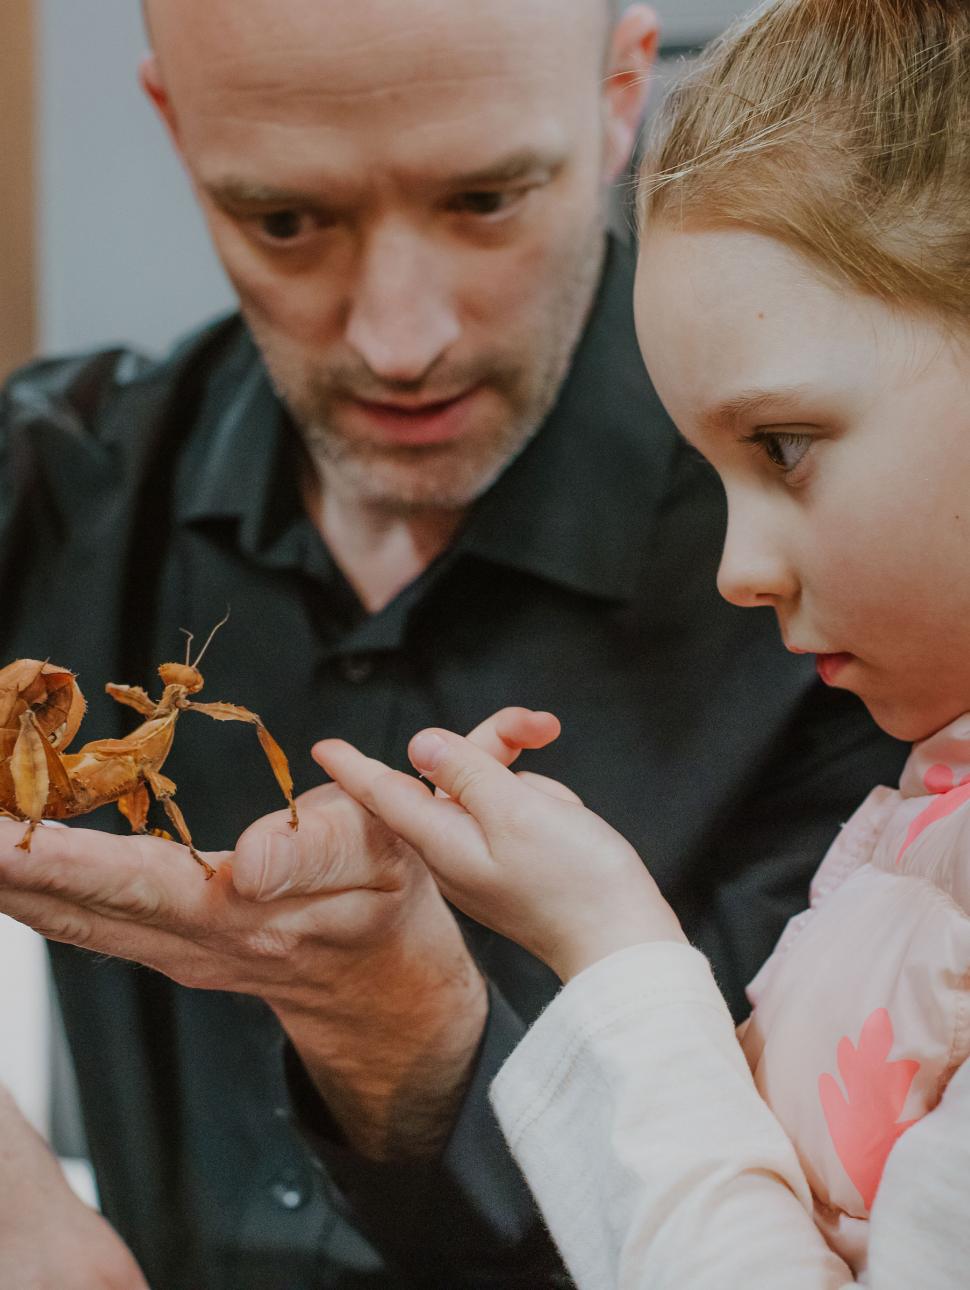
(784, 449)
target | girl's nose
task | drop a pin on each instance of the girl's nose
(754, 569)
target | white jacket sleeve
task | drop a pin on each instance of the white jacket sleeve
(919, 1231)
(657, 1166)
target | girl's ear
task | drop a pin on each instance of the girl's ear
(150, 79)
(633, 51)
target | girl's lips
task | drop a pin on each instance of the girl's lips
(829, 666)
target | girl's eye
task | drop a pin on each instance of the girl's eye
(782, 448)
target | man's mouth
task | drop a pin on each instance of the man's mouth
(415, 422)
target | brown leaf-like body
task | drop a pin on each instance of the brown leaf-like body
(50, 692)
(41, 708)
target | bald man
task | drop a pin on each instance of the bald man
(429, 474)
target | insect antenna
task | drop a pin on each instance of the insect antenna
(221, 623)
(188, 644)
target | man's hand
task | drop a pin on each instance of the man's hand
(338, 927)
(518, 853)
(49, 1239)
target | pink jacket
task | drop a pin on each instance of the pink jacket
(862, 1013)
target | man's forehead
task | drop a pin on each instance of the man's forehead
(239, 27)
(611, 8)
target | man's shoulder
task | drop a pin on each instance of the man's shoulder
(82, 401)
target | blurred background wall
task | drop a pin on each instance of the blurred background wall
(17, 212)
(123, 255)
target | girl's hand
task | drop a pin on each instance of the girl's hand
(519, 853)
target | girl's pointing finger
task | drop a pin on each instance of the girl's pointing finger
(440, 831)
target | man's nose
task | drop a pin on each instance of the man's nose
(402, 318)
(754, 569)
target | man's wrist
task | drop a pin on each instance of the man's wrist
(392, 1056)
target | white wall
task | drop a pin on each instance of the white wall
(24, 1021)
(687, 22)
(123, 251)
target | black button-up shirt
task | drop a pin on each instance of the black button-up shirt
(139, 499)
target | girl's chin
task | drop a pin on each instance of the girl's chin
(912, 724)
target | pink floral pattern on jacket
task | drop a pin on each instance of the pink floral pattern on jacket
(864, 1120)
(861, 1016)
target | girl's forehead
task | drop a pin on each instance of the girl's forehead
(729, 318)
(726, 269)
(720, 305)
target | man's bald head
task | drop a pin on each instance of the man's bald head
(612, 8)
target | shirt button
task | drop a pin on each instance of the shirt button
(288, 1195)
(357, 668)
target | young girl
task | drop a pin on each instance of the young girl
(803, 305)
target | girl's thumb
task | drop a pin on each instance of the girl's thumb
(468, 774)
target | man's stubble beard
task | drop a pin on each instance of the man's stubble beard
(451, 476)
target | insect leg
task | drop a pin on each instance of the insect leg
(134, 807)
(24, 843)
(274, 753)
(163, 788)
(10, 815)
(132, 696)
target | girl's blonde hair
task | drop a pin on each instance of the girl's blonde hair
(840, 127)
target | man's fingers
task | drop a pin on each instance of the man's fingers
(506, 733)
(332, 851)
(140, 878)
(114, 934)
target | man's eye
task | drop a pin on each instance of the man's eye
(485, 203)
(284, 226)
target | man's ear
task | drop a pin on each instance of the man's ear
(150, 79)
(633, 51)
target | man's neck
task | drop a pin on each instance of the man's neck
(379, 550)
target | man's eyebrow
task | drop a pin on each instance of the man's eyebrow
(232, 191)
(748, 404)
(507, 170)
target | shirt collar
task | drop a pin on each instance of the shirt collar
(573, 508)
(576, 506)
